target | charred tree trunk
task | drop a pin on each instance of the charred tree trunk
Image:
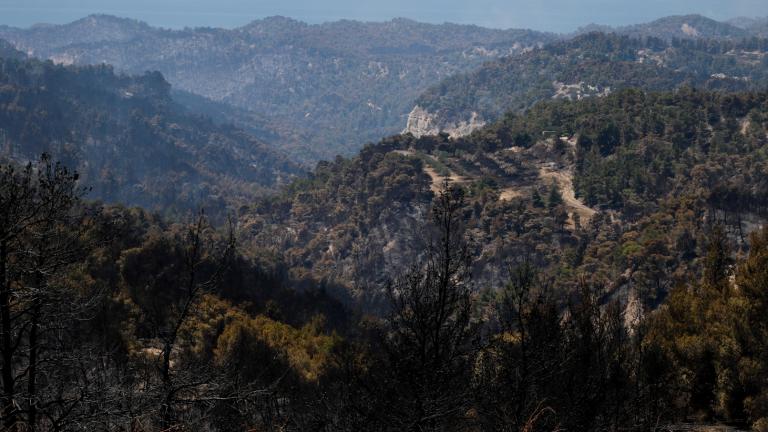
(9, 387)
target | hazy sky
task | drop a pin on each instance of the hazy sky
(553, 15)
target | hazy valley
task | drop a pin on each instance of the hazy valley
(384, 226)
(335, 86)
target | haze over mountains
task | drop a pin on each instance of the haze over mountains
(127, 137)
(684, 26)
(758, 26)
(525, 231)
(336, 85)
(593, 64)
(315, 90)
(299, 93)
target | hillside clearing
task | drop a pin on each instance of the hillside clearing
(564, 179)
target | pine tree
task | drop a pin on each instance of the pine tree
(555, 198)
(429, 342)
(536, 199)
(717, 262)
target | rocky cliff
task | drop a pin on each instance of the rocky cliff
(423, 123)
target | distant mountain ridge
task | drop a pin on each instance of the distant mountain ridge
(593, 64)
(317, 90)
(685, 26)
(757, 26)
(91, 29)
(335, 85)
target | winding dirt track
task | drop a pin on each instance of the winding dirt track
(564, 181)
(437, 179)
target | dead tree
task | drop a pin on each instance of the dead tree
(183, 387)
(430, 338)
(39, 239)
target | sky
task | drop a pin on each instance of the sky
(547, 15)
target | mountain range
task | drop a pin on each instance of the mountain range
(569, 234)
(314, 91)
(683, 27)
(335, 85)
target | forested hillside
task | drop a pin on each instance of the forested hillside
(128, 138)
(336, 86)
(8, 51)
(622, 188)
(115, 319)
(590, 65)
(757, 26)
(687, 27)
(321, 90)
(691, 26)
(589, 253)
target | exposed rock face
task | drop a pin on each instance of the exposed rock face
(689, 30)
(578, 91)
(591, 65)
(423, 123)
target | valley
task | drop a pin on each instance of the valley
(130, 141)
(312, 94)
(334, 86)
(223, 229)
